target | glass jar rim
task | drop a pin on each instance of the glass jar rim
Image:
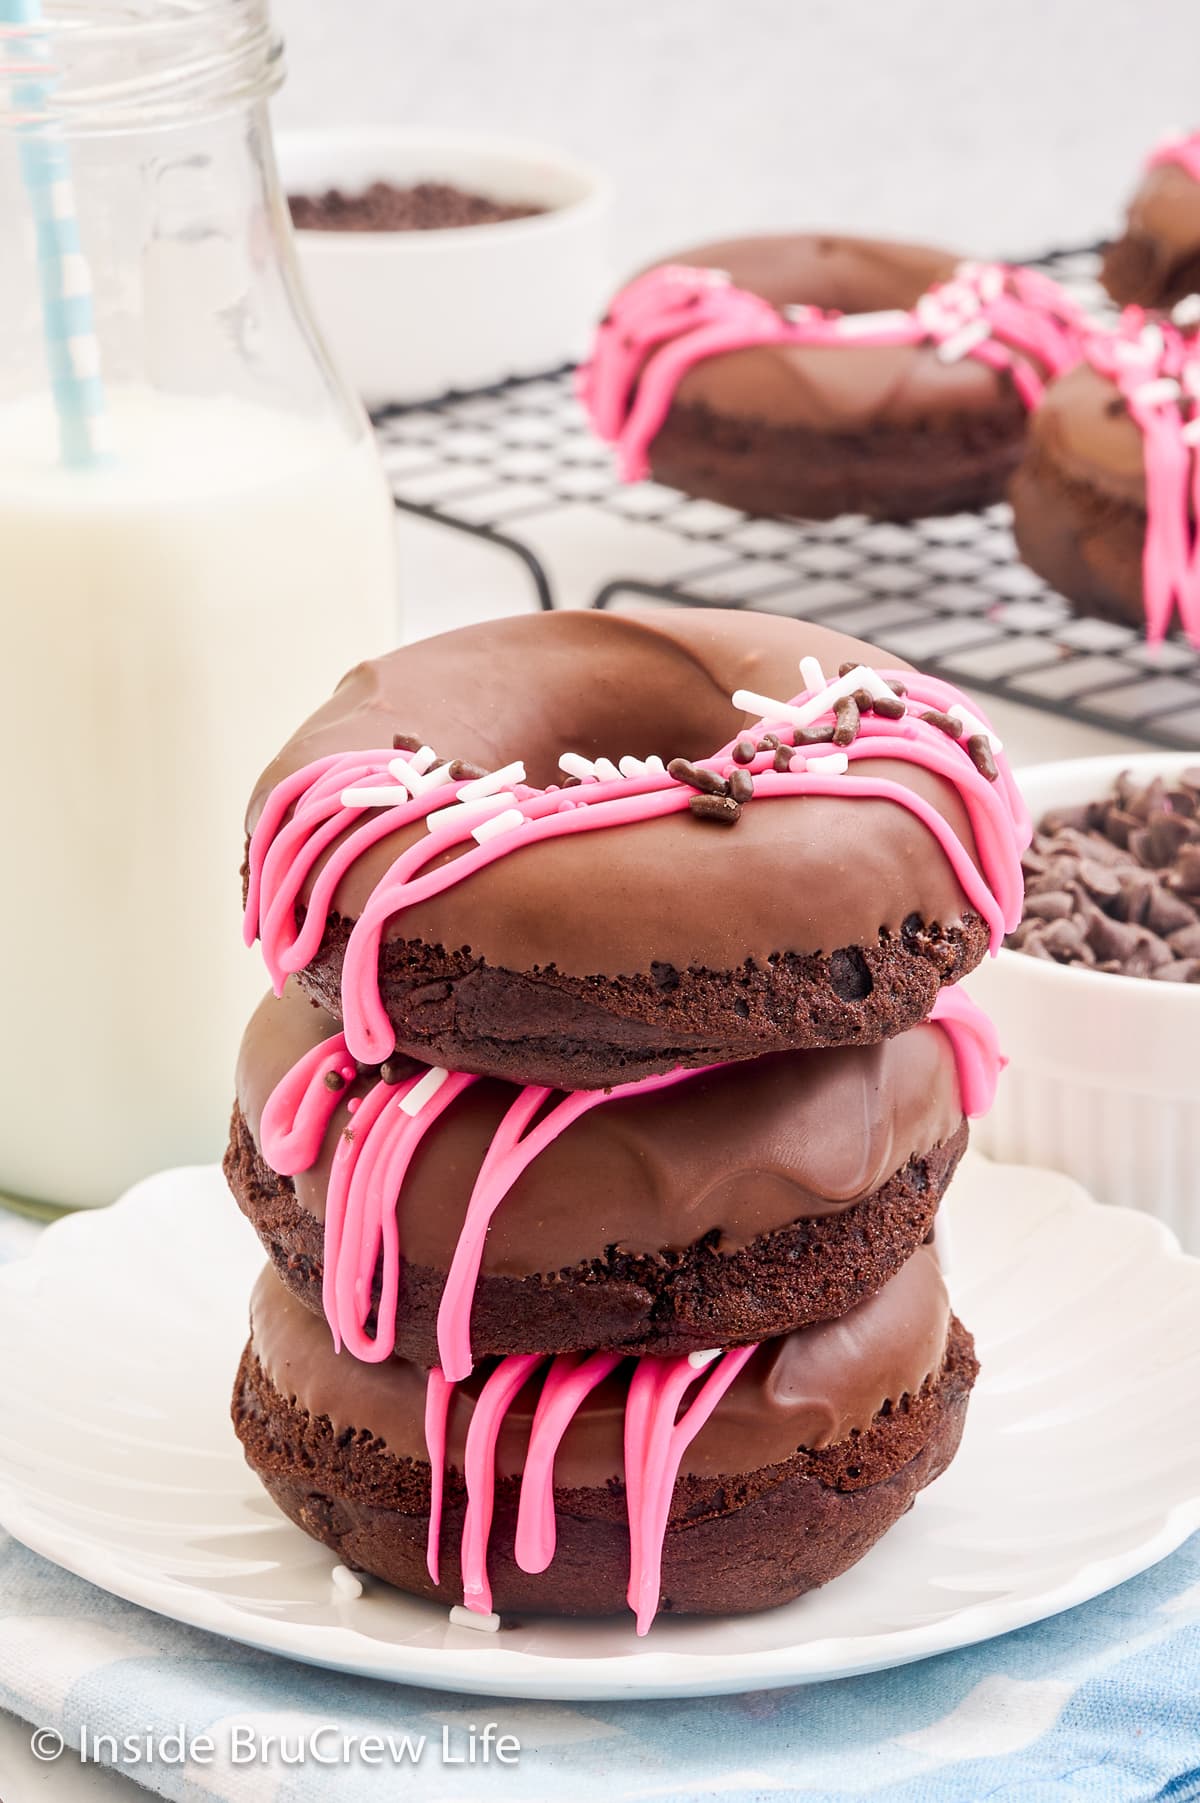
(130, 65)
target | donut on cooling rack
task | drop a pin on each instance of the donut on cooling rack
(577, 849)
(578, 1485)
(1104, 502)
(1156, 260)
(816, 376)
(704, 1208)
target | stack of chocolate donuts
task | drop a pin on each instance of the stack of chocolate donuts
(598, 1123)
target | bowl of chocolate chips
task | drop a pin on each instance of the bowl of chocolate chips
(443, 261)
(1096, 994)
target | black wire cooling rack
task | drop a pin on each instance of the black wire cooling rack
(517, 467)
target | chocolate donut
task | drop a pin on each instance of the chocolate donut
(816, 375)
(788, 1462)
(1103, 503)
(507, 934)
(733, 1205)
(1156, 261)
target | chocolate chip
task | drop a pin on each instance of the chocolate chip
(696, 776)
(1116, 882)
(745, 751)
(944, 722)
(782, 761)
(462, 770)
(890, 706)
(722, 808)
(1054, 904)
(813, 735)
(404, 741)
(897, 687)
(1182, 970)
(847, 720)
(769, 742)
(741, 785)
(398, 1069)
(979, 749)
(334, 1080)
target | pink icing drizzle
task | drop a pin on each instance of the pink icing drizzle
(1156, 367)
(1183, 149)
(284, 852)
(673, 317)
(655, 1441)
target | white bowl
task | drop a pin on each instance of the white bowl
(1103, 1080)
(412, 315)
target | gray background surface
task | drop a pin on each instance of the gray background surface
(996, 126)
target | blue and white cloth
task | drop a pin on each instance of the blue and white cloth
(1100, 1703)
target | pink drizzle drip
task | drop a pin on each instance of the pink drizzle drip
(1156, 367)
(656, 1437)
(673, 317)
(284, 852)
(1183, 149)
(975, 1044)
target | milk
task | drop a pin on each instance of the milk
(167, 623)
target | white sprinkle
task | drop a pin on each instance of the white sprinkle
(655, 765)
(816, 705)
(865, 325)
(1187, 311)
(607, 771)
(433, 779)
(576, 765)
(461, 1617)
(1152, 338)
(345, 1583)
(414, 1099)
(698, 1360)
(811, 672)
(972, 724)
(1155, 393)
(1191, 432)
(960, 343)
(1125, 350)
(508, 822)
(380, 797)
(493, 782)
(460, 812)
(874, 684)
(631, 766)
(832, 763)
(422, 758)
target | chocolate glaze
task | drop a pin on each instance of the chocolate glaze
(1162, 237)
(808, 876)
(808, 1389)
(1085, 427)
(842, 389)
(741, 1151)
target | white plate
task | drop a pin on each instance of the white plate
(119, 1339)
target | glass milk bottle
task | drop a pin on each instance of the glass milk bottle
(195, 542)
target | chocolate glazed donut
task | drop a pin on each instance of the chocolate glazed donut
(736, 1205)
(893, 430)
(1156, 260)
(818, 1444)
(693, 929)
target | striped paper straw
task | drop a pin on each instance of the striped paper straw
(72, 348)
